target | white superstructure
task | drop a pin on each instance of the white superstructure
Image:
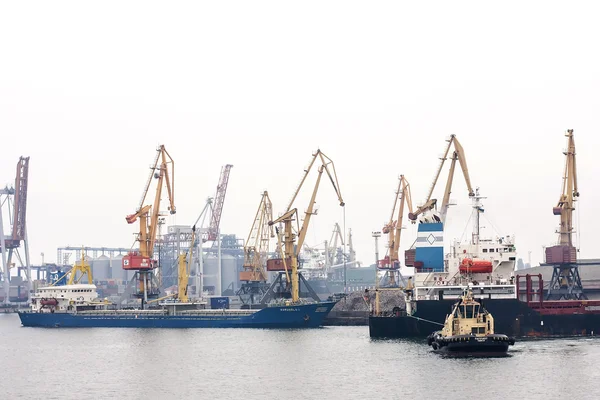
(495, 257)
(62, 298)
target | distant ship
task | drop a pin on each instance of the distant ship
(329, 276)
(78, 306)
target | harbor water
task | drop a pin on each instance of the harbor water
(325, 363)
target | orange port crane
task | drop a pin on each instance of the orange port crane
(569, 193)
(394, 227)
(148, 216)
(256, 247)
(290, 246)
(457, 155)
(566, 281)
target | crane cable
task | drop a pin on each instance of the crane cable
(344, 253)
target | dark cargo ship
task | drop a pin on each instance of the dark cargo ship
(530, 317)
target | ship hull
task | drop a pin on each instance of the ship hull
(302, 316)
(490, 346)
(511, 317)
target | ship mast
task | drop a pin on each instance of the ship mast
(477, 210)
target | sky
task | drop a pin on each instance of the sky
(88, 90)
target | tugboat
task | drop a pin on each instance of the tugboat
(469, 330)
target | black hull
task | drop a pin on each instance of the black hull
(511, 317)
(494, 345)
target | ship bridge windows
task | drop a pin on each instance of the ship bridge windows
(485, 250)
(470, 311)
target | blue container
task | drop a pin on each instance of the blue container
(219, 302)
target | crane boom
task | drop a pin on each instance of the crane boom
(257, 244)
(290, 248)
(394, 227)
(20, 211)
(215, 220)
(457, 155)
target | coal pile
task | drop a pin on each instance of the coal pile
(356, 301)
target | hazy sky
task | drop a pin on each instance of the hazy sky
(88, 90)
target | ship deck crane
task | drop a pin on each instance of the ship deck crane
(256, 249)
(291, 246)
(83, 268)
(457, 155)
(566, 282)
(142, 262)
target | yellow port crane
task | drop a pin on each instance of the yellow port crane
(143, 262)
(256, 248)
(290, 247)
(457, 155)
(183, 273)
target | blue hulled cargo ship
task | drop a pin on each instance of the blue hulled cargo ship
(76, 306)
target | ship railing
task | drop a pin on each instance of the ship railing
(216, 312)
(122, 312)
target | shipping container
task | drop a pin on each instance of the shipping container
(219, 302)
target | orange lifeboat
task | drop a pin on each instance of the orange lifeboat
(475, 266)
(49, 302)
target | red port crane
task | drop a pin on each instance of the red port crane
(217, 209)
(16, 201)
(148, 215)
